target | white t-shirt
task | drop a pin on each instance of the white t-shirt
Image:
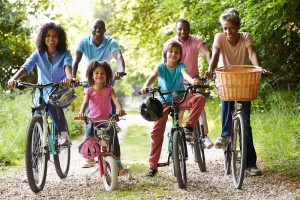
(233, 55)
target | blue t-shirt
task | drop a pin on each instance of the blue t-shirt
(102, 52)
(170, 80)
(47, 71)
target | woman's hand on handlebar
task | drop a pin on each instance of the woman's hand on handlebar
(11, 83)
(266, 72)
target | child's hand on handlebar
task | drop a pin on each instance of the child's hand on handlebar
(196, 81)
(121, 113)
(144, 90)
(81, 116)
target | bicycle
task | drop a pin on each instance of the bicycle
(197, 145)
(242, 86)
(107, 166)
(42, 141)
(177, 147)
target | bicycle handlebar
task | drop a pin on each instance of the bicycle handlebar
(112, 117)
(185, 92)
(23, 85)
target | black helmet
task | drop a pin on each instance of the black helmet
(151, 109)
(62, 97)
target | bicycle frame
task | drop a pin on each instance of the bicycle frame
(49, 132)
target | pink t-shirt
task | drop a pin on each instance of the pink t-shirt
(233, 55)
(99, 103)
(190, 52)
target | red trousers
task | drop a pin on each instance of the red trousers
(194, 103)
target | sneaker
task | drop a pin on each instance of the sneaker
(89, 163)
(253, 171)
(118, 129)
(64, 139)
(221, 142)
(208, 143)
(188, 134)
(151, 173)
(121, 170)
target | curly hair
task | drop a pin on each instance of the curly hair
(167, 48)
(62, 38)
(92, 67)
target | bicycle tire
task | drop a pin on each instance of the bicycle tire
(35, 155)
(179, 155)
(62, 159)
(110, 176)
(239, 151)
(198, 145)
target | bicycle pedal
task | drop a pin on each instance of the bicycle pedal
(162, 164)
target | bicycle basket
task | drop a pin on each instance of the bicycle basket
(238, 82)
(151, 109)
(90, 148)
(62, 97)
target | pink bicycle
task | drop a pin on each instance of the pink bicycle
(98, 146)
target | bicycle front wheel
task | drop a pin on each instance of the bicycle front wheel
(110, 176)
(62, 159)
(198, 145)
(239, 151)
(179, 156)
(36, 154)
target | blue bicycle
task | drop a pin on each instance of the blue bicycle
(42, 141)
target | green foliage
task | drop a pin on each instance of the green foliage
(15, 34)
(15, 114)
(276, 135)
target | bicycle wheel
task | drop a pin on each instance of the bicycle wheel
(110, 176)
(179, 155)
(227, 158)
(36, 154)
(239, 149)
(62, 159)
(198, 145)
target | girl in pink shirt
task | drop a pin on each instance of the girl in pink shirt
(98, 97)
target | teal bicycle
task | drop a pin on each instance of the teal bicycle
(42, 141)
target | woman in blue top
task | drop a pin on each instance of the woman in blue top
(53, 62)
(170, 76)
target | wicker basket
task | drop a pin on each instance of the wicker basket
(238, 82)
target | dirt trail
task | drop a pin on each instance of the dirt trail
(212, 184)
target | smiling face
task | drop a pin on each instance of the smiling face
(99, 75)
(182, 31)
(98, 28)
(173, 55)
(51, 38)
(231, 31)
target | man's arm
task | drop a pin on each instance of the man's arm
(206, 52)
(120, 61)
(78, 56)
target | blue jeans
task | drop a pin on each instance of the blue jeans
(113, 137)
(58, 116)
(227, 110)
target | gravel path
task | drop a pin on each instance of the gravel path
(212, 184)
